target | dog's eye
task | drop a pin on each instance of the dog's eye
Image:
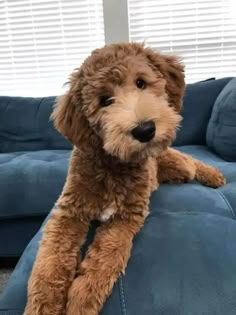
(141, 84)
(105, 100)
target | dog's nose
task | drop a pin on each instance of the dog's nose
(145, 131)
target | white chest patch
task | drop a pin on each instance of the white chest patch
(107, 214)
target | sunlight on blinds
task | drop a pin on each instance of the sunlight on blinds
(203, 32)
(41, 42)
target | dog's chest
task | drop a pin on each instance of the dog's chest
(107, 214)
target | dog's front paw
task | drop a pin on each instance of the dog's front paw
(216, 178)
(211, 177)
(80, 298)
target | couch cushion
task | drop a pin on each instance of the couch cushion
(17, 233)
(180, 264)
(198, 102)
(31, 182)
(221, 131)
(185, 255)
(25, 125)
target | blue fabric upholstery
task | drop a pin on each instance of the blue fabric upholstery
(33, 166)
(30, 183)
(37, 170)
(183, 261)
(221, 131)
(25, 125)
(198, 102)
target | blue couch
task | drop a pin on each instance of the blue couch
(33, 167)
(184, 260)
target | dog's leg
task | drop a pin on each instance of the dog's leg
(105, 261)
(55, 265)
(208, 175)
(176, 167)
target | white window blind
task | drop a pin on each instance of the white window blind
(203, 32)
(41, 42)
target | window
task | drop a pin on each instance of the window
(41, 42)
(203, 32)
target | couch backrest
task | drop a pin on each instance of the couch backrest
(25, 125)
(199, 100)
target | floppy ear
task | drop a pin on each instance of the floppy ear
(62, 115)
(173, 72)
(68, 118)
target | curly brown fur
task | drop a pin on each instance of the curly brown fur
(175, 167)
(111, 174)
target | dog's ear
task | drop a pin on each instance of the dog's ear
(173, 72)
(67, 115)
(62, 115)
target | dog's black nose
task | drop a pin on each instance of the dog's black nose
(145, 131)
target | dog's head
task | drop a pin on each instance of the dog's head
(125, 98)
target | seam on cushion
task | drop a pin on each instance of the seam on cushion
(8, 103)
(223, 124)
(193, 213)
(13, 217)
(39, 105)
(223, 100)
(216, 120)
(11, 312)
(227, 203)
(122, 296)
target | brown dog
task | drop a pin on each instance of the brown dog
(121, 114)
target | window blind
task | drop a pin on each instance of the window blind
(202, 32)
(41, 42)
